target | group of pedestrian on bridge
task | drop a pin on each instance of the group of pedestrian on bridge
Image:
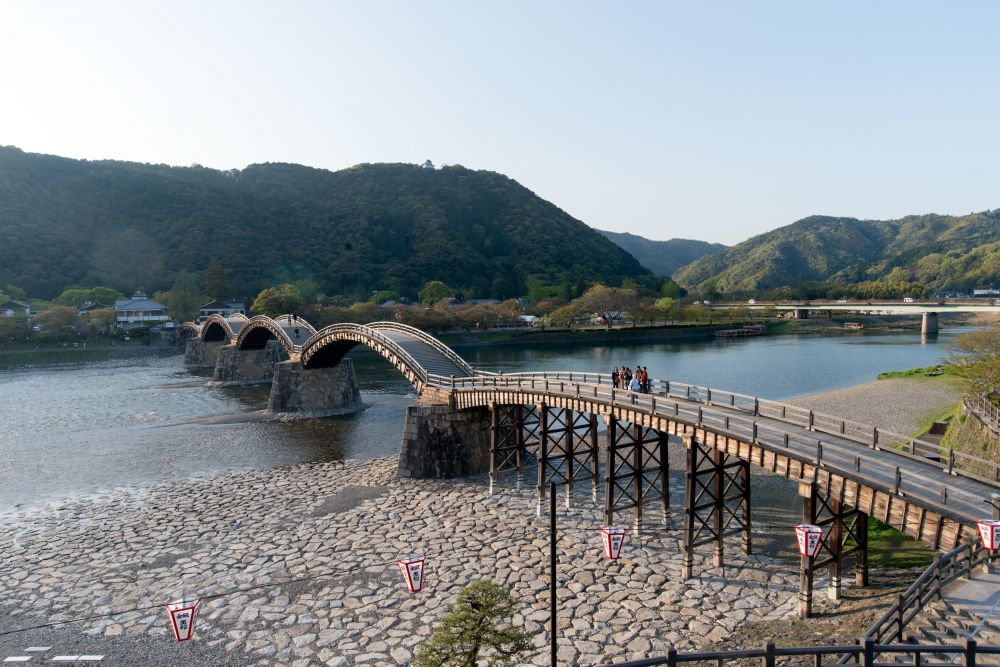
(625, 378)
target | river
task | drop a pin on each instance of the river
(78, 423)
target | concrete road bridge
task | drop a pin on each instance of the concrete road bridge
(928, 310)
(575, 429)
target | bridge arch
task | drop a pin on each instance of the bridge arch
(219, 329)
(190, 330)
(417, 355)
(290, 331)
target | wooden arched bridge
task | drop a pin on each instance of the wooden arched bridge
(572, 428)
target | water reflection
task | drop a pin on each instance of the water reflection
(81, 421)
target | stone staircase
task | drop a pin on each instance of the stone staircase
(970, 609)
(944, 623)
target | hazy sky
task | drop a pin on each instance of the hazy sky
(714, 121)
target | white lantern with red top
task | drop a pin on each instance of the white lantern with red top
(809, 538)
(182, 616)
(989, 530)
(613, 537)
(412, 568)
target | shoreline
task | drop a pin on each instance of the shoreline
(341, 526)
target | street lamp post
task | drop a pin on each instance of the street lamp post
(552, 568)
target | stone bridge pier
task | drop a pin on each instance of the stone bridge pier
(201, 354)
(929, 324)
(440, 441)
(236, 366)
(314, 392)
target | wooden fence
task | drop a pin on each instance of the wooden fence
(946, 568)
(866, 653)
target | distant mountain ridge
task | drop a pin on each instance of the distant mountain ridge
(937, 251)
(662, 257)
(374, 226)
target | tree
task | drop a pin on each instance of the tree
(182, 300)
(385, 295)
(975, 356)
(215, 280)
(609, 303)
(668, 307)
(276, 301)
(564, 315)
(77, 296)
(57, 318)
(102, 319)
(435, 291)
(478, 622)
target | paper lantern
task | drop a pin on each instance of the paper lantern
(612, 537)
(412, 568)
(809, 538)
(989, 530)
(182, 616)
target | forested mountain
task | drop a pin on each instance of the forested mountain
(662, 257)
(375, 226)
(937, 252)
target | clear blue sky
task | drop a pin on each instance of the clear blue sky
(714, 121)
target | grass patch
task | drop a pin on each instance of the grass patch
(938, 370)
(946, 413)
(892, 549)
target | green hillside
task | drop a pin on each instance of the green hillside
(374, 226)
(662, 257)
(938, 252)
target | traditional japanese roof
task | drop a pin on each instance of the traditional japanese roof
(220, 304)
(87, 307)
(139, 301)
(13, 305)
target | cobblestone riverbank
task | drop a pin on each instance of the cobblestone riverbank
(302, 560)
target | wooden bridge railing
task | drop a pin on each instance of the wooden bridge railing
(424, 337)
(869, 470)
(866, 653)
(947, 459)
(946, 568)
(985, 411)
(355, 331)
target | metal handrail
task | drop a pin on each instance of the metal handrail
(894, 479)
(426, 338)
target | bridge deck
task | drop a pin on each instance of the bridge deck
(430, 359)
(909, 477)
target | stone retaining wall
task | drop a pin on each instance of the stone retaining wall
(439, 441)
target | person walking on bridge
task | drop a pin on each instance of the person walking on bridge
(634, 384)
(616, 378)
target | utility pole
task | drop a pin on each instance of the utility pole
(552, 567)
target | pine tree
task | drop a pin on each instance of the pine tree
(478, 622)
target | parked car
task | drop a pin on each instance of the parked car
(908, 299)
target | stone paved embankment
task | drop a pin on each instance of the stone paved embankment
(316, 545)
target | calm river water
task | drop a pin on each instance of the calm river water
(79, 423)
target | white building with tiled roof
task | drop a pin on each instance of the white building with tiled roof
(139, 312)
